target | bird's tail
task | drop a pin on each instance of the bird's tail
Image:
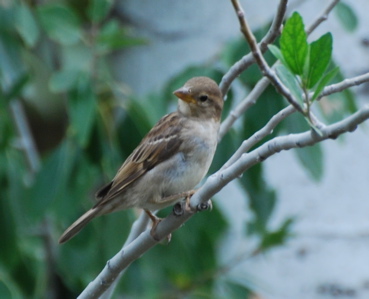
(74, 229)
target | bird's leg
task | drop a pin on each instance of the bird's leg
(200, 207)
(188, 202)
(175, 197)
(155, 221)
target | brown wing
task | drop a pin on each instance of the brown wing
(160, 144)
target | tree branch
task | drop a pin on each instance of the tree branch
(138, 227)
(355, 81)
(245, 104)
(323, 16)
(259, 58)
(27, 143)
(259, 135)
(214, 184)
(247, 60)
(140, 241)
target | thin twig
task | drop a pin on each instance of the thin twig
(355, 81)
(259, 135)
(281, 115)
(25, 136)
(247, 60)
(259, 58)
(245, 104)
(322, 17)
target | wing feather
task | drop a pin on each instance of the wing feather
(161, 143)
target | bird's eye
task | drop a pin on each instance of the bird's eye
(203, 98)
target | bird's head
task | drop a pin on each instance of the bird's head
(200, 97)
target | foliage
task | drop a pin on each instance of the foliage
(55, 60)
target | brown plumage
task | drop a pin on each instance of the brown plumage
(171, 159)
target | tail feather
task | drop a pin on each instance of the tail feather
(74, 229)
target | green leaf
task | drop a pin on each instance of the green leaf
(290, 81)
(82, 109)
(8, 228)
(262, 199)
(277, 53)
(78, 57)
(17, 87)
(60, 23)
(320, 56)
(347, 16)
(98, 9)
(26, 25)
(277, 237)
(63, 80)
(323, 82)
(11, 59)
(233, 289)
(311, 157)
(113, 36)
(51, 180)
(338, 105)
(313, 127)
(293, 43)
(8, 287)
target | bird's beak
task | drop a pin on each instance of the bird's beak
(184, 94)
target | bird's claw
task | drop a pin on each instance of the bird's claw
(205, 206)
(153, 231)
(155, 222)
(178, 209)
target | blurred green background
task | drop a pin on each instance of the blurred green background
(55, 67)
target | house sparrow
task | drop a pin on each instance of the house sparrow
(170, 160)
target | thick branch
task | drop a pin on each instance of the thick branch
(130, 253)
(138, 227)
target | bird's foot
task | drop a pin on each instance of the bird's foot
(200, 207)
(155, 221)
(180, 207)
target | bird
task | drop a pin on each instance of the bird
(169, 162)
